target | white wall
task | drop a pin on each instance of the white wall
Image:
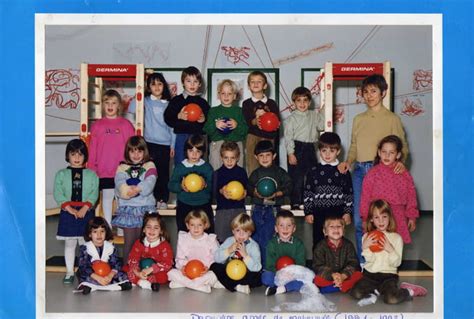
(408, 48)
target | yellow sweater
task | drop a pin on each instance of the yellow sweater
(368, 129)
(383, 261)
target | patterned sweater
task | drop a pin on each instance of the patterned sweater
(326, 188)
(328, 260)
(143, 176)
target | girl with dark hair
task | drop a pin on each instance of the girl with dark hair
(76, 190)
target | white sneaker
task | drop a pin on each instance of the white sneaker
(245, 289)
(161, 205)
(218, 285)
(145, 284)
(174, 284)
(202, 288)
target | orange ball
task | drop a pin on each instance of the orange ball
(101, 268)
(236, 190)
(193, 182)
(194, 112)
(377, 247)
(194, 268)
(284, 261)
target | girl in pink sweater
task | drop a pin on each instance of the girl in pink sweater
(195, 244)
(107, 144)
(397, 189)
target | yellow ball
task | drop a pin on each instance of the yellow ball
(193, 182)
(236, 269)
(236, 190)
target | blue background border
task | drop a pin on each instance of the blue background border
(17, 128)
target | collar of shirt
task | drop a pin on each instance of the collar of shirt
(146, 243)
(289, 241)
(186, 94)
(264, 99)
(187, 164)
(332, 246)
(335, 163)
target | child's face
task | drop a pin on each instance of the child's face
(226, 95)
(196, 227)
(285, 228)
(302, 103)
(98, 236)
(156, 88)
(191, 84)
(334, 230)
(152, 230)
(373, 96)
(76, 159)
(193, 155)
(111, 106)
(241, 235)
(329, 154)
(136, 155)
(388, 154)
(257, 84)
(380, 220)
(265, 159)
(229, 158)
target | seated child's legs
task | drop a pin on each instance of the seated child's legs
(364, 287)
(324, 285)
(351, 281)
(268, 278)
(391, 293)
(294, 285)
(219, 271)
(159, 277)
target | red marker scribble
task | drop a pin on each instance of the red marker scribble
(236, 55)
(62, 88)
(422, 80)
(412, 108)
(316, 86)
(339, 113)
(173, 86)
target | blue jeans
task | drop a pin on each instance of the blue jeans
(360, 170)
(264, 219)
(268, 279)
(179, 153)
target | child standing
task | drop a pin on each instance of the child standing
(239, 246)
(195, 244)
(177, 118)
(225, 123)
(380, 269)
(335, 260)
(265, 208)
(99, 248)
(227, 207)
(186, 201)
(134, 183)
(368, 128)
(381, 182)
(283, 244)
(107, 144)
(76, 190)
(301, 133)
(159, 137)
(153, 244)
(327, 192)
(253, 108)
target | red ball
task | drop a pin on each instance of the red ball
(377, 247)
(284, 261)
(269, 122)
(101, 268)
(194, 112)
(194, 268)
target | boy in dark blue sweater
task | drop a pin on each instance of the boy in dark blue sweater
(227, 207)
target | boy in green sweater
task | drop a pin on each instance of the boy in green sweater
(225, 123)
(283, 244)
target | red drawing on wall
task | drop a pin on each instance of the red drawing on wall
(359, 95)
(236, 55)
(422, 80)
(62, 88)
(316, 86)
(412, 107)
(339, 113)
(173, 87)
(303, 54)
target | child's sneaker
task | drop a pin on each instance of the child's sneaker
(245, 289)
(125, 286)
(414, 290)
(155, 287)
(86, 290)
(218, 285)
(68, 279)
(270, 291)
(161, 205)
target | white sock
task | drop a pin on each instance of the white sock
(107, 203)
(145, 284)
(69, 254)
(280, 290)
(245, 289)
